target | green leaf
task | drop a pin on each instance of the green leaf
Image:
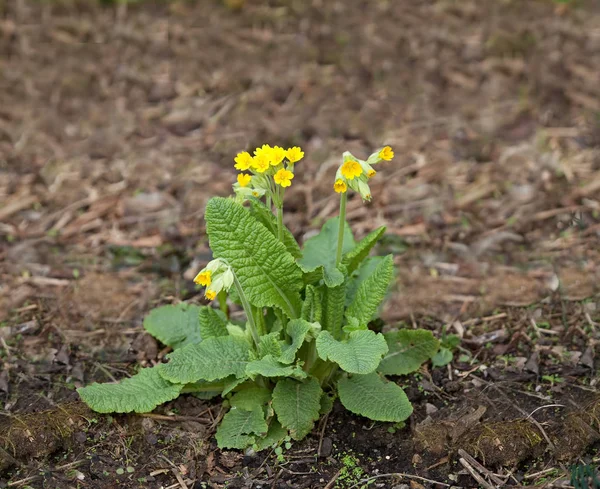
(326, 404)
(270, 345)
(365, 270)
(370, 396)
(371, 292)
(230, 383)
(214, 358)
(320, 251)
(270, 367)
(263, 215)
(408, 350)
(140, 393)
(266, 271)
(312, 307)
(354, 258)
(240, 428)
(442, 357)
(297, 405)
(297, 329)
(174, 325)
(333, 309)
(274, 438)
(361, 354)
(251, 397)
(212, 323)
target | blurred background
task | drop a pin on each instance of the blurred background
(119, 121)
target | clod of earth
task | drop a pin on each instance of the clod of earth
(40, 434)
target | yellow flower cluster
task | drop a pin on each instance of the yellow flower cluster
(216, 276)
(267, 164)
(354, 173)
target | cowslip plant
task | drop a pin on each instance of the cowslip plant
(304, 339)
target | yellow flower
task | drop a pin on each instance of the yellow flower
(340, 186)
(243, 161)
(261, 163)
(294, 154)
(351, 169)
(203, 278)
(283, 178)
(371, 173)
(210, 294)
(386, 153)
(265, 149)
(244, 179)
(277, 155)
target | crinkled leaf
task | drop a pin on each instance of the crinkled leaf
(212, 323)
(274, 438)
(174, 325)
(326, 403)
(312, 307)
(360, 354)
(263, 215)
(270, 345)
(140, 393)
(371, 292)
(354, 258)
(270, 367)
(265, 269)
(365, 270)
(239, 428)
(251, 397)
(320, 251)
(230, 383)
(408, 350)
(370, 396)
(442, 357)
(214, 358)
(297, 405)
(333, 309)
(297, 329)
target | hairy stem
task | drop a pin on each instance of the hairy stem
(247, 309)
(340, 242)
(222, 296)
(280, 222)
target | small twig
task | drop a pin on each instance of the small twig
(333, 479)
(164, 417)
(324, 422)
(481, 468)
(474, 474)
(398, 474)
(543, 407)
(70, 465)
(540, 473)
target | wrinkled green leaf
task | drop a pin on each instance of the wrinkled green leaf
(212, 323)
(297, 405)
(360, 354)
(354, 258)
(214, 358)
(174, 325)
(265, 269)
(366, 269)
(140, 393)
(274, 438)
(270, 367)
(333, 309)
(239, 428)
(270, 345)
(320, 251)
(297, 329)
(263, 215)
(370, 396)
(408, 350)
(312, 307)
(371, 292)
(250, 397)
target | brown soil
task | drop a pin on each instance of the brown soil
(118, 123)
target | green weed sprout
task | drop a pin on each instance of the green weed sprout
(305, 339)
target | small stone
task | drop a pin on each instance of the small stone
(326, 447)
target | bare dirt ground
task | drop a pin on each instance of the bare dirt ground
(116, 126)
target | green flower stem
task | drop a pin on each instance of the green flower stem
(342, 217)
(222, 296)
(280, 222)
(269, 205)
(247, 309)
(191, 388)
